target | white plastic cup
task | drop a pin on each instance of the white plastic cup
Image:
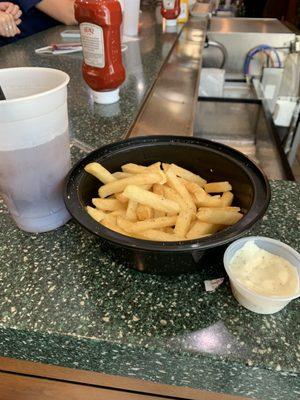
(227, 4)
(34, 146)
(250, 299)
(134, 64)
(122, 4)
(131, 17)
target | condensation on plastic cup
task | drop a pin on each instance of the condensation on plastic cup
(246, 297)
(34, 146)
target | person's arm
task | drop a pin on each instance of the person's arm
(61, 10)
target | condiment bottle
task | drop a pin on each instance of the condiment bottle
(184, 12)
(103, 70)
(170, 10)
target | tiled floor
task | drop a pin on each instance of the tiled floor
(296, 166)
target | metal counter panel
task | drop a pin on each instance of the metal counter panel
(171, 106)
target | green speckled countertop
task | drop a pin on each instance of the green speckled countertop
(65, 301)
(93, 124)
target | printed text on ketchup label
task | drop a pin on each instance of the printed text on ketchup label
(169, 4)
(92, 44)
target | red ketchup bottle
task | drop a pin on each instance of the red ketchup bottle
(103, 70)
(170, 10)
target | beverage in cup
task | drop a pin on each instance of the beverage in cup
(34, 146)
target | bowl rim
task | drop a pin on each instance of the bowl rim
(279, 243)
(82, 217)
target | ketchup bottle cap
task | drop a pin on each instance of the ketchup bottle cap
(171, 22)
(108, 97)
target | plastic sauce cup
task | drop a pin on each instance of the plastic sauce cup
(248, 298)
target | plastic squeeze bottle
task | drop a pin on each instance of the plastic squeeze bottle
(170, 10)
(184, 11)
(103, 70)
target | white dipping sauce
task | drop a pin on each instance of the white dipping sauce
(263, 272)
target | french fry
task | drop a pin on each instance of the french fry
(131, 210)
(156, 169)
(97, 215)
(187, 175)
(124, 200)
(155, 166)
(99, 172)
(121, 175)
(227, 199)
(140, 226)
(158, 189)
(201, 228)
(221, 216)
(201, 236)
(217, 187)
(107, 204)
(139, 169)
(121, 198)
(208, 201)
(146, 187)
(114, 227)
(172, 214)
(111, 219)
(158, 214)
(125, 224)
(144, 212)
(166, 166)
(171, 194)
(230, 208)
(159, 202)
(119, 213)
(202, 199)
(160, 236)
(119, 185)
(134, 168)
(179, 187)
(183, 223)
(192, 187)
(150, 199)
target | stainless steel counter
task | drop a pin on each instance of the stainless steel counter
(171, 106)
(246, 126)
(247, 25)
(239, 35)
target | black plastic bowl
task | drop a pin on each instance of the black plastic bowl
(212, 161)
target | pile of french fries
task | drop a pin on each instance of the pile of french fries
(161, 202)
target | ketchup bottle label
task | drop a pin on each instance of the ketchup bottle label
(169, 4)
(92, 44)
